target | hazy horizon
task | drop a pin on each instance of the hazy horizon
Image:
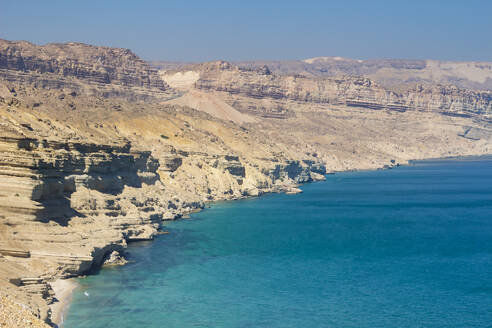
(192, 31)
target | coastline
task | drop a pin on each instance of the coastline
(250, 245)
(63, 289)
(99, 153)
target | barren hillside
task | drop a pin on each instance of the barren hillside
(98, 148)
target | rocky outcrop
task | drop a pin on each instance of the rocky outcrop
(232, 165)
(86, 166)
(115, 258)
(85, 69)
(13, 314)
(85, 201)
(85, 62)
(297, 171)
(45, 183)
(349, 91)
(388, 72)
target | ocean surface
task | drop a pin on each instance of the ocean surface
(408, 247)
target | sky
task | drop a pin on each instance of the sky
(263, 30)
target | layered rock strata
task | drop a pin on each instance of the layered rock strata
(389, 72)
(89, 63)
(351, 91)
(67, 206)
(94, 153)
(102, 71)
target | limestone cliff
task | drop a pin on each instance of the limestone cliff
(82, 61)
(96, 150)
(350, 122)
(83, 68)
(352, 91)
(73, 191)
(388, 72)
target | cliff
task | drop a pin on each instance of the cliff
(349, 121)
(82, 61)
(87, 186)
(388, 72)
(85, 68)
(352, 91)
(473, 75)
(97, 149)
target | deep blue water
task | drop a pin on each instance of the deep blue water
(409, 247)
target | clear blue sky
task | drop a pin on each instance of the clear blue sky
(250, 29)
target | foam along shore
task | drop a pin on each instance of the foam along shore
(63, 289)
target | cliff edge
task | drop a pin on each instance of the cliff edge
(98, 149)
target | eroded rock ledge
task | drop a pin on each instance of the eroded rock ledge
(65, 206)
(351, 91)
(86, 62)
(94, 153)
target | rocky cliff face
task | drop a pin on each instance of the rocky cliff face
(349, 121)
(85, 69)
(82, 61)
(86, 166)
(65, 206)
(349, 91)
(388, 72)
(74, 191)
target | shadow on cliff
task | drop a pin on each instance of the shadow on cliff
(54, 192)
(57, 210)
(103, 169)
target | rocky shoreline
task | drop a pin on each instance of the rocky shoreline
(97, 148)
(120, 180)
(63, 288)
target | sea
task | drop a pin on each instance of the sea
(406, 247)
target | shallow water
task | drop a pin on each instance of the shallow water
(409, 247)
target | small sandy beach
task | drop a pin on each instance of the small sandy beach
(63, 292)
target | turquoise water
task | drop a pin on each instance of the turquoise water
(409, 247)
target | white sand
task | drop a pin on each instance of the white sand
(63, 292)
